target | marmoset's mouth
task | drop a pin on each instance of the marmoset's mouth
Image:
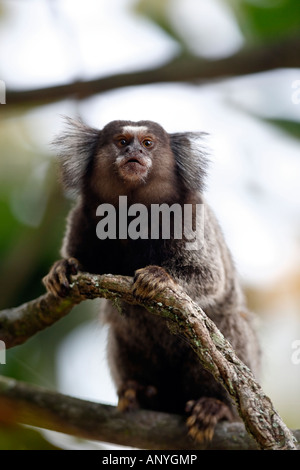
(133, 160)
(133, 168)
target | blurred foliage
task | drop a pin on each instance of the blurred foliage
(258, 20)
(33, 214)
(158, 12)
(267, 19)
(292, 128)
(22, 438)
(33, 208)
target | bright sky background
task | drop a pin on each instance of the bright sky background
(45, 43)
(253, 182)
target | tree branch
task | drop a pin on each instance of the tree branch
(142, 429)
(184, 317)
(270, 56)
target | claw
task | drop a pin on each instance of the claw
(58, 280)
(204, 415)
(150, 281)
(132, 393)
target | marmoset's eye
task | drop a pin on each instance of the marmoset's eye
(147, 143)
(122, 142)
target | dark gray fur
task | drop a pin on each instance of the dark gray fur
(140, 346)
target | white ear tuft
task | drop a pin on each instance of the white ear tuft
(191, 158)
(76, 147)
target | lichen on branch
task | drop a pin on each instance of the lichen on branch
(184, 317)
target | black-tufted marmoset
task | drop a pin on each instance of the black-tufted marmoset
(151, 367)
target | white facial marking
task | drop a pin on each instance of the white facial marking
(134, 129)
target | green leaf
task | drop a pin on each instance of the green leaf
(267, 19)
(290, 127)
(158, 12)
(15, 437)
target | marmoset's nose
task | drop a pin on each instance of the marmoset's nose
(133, 147)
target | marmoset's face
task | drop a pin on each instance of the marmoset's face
(133, 156)
(135, 148)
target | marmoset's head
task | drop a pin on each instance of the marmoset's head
(137, 159)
